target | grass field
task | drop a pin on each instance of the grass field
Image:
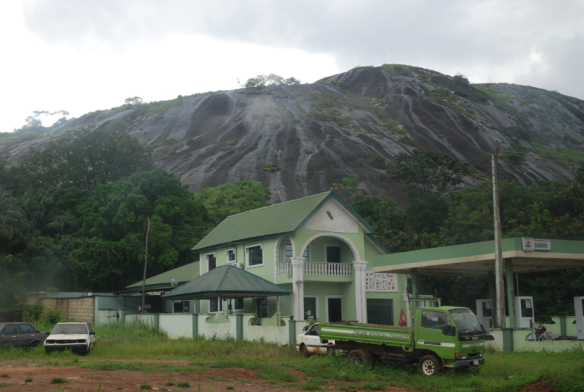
(502, 371)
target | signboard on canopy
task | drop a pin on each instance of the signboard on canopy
(530, 244)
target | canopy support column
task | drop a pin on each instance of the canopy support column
(493, 296)
(510, 293)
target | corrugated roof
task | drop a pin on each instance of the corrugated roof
(162, 281)
(226, 281)
(272, 220)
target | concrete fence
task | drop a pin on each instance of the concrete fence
(238, 326)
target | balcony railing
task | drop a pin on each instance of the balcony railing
(318, 269)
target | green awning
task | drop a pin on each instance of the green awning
(229, 282)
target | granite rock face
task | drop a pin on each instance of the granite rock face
(304, 139)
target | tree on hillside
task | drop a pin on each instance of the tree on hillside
(233, 198)
(261, 81)
(424, 172)
(86, 159)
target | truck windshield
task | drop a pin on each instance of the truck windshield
(465, 320)
(69, 329)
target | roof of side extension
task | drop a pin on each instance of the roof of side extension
(227, 281)
(158, 282)
(277, 219)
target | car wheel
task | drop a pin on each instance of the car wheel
(304, 351)
(359, 357)
(430, 365)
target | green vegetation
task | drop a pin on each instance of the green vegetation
(461, 80)
(58, 380)
(442, 96)
(185, 384)
(159, 109)
(269, 168)
(375, 161)
(242, 104)
(407, 140)
(563, 156)
(233, 198)
(515, 154)
(274, 126)
(228, 146)
(351, 181)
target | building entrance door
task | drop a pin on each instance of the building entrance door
(334, 310)
(380, 311)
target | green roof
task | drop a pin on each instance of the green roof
(277, 219)
(162, 281)
(227, 281)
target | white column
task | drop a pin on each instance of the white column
(360, 298)
(298, 287)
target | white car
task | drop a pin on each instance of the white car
(308, 343)
(77, 337)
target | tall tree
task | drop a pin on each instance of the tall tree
(86, 159)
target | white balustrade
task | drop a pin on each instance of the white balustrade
(284, 268)
(318, 269)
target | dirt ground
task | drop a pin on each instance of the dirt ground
(82, 379)
(210, 380)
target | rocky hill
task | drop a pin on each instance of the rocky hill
(303, 139)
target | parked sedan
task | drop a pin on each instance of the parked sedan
(20, 335)
(78, 337)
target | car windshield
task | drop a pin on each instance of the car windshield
(465, 320)
(69, 329)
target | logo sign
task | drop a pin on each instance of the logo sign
(529, 244)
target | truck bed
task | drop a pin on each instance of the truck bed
(366, 333)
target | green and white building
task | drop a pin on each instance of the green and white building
(318, 248)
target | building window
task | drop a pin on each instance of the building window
(238, 302)
(211, 262)
(262, 308)
(333, 254)
(215, 304)
(231, 256)
(289, 253)
(255, 255)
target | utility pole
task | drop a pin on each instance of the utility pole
(499, 285)
(145, 268)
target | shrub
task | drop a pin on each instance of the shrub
(242, 104)
(345, 88)
(269, 168)
(407, 140)
(190, 142)
(461, 81)
(351, 181)
(373, 161)
(58, 380)
(274, 126)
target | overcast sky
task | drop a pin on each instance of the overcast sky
(83, 55)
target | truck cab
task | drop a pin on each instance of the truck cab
(453, 334)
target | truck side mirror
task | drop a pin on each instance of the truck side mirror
(448, 330)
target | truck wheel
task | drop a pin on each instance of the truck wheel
(304, 351)
(358, 357)
(430, 365)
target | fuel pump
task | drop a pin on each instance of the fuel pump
(579, 307)
(485, 313)
(524, 313)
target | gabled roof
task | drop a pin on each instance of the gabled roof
(227, 281)
(278, 219)
(162, 281)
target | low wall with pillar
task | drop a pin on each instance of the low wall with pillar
(510, 339)
(237, 326)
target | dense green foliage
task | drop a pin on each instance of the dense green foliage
(74, 216)
(233, 198)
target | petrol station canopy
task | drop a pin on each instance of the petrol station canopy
(478, 258)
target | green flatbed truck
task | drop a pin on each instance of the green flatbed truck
(443, 336)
